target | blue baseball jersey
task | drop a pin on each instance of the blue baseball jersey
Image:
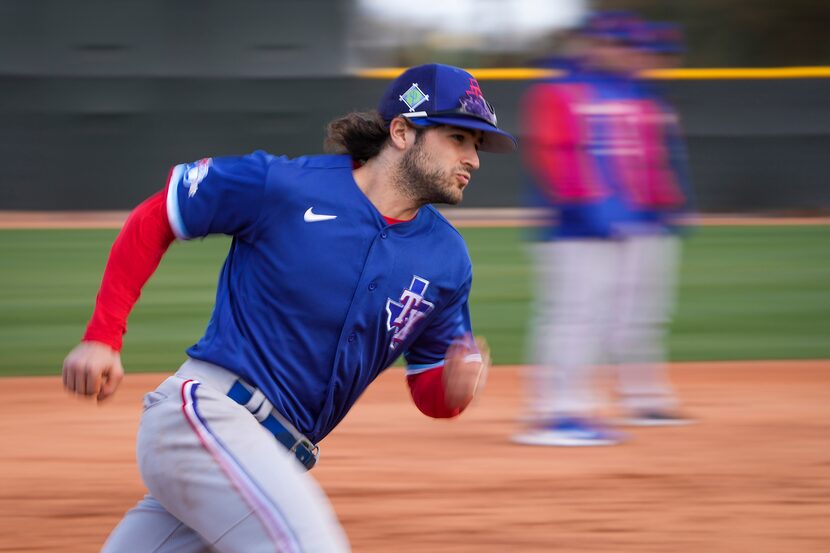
(318, 293)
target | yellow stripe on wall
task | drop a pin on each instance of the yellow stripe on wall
(490, 74)
(530, 73)
(742, 73)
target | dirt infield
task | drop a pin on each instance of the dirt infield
(752, 476)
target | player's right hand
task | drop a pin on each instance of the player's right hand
(465, 370)
(92, 369)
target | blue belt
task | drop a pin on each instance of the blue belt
(303, 449)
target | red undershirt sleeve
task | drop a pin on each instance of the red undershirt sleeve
(427, 390)
(134, 257)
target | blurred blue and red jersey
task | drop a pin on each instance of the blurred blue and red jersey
(604, 151)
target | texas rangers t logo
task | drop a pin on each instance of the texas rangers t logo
(403, 316)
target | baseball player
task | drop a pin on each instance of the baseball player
(338, 265)
(661, 202)
(596, 154)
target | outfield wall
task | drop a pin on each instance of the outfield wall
(98, 99)
(106, 142)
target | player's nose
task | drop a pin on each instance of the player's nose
(471, 158)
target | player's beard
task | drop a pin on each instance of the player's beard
(418, 179)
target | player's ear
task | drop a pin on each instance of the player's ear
(401, 132)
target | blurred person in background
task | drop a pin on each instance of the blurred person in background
(597, 149)
(660, 201)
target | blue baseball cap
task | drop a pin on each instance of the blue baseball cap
(436, 94)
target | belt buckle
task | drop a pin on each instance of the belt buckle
(306, 453)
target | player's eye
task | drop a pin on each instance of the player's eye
(464, 138)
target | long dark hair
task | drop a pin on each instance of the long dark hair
(361, 134)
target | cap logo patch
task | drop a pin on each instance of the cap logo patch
(478, 106)
(413, 97)
(474, 89)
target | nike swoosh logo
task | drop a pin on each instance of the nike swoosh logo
(311, 217)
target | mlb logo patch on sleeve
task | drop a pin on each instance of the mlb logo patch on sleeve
(194, 173)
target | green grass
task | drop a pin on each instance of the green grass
(754, 293)
(48, 282)
(745, 293)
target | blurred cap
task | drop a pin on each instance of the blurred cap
(436, 94)
(658, 37)
(610, 25)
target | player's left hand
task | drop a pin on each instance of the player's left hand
(465, 371)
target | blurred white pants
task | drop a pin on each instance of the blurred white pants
(645, 294)
(599, 302)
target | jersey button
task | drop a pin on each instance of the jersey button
(383, 235)
(372, 286)
(352, 337)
